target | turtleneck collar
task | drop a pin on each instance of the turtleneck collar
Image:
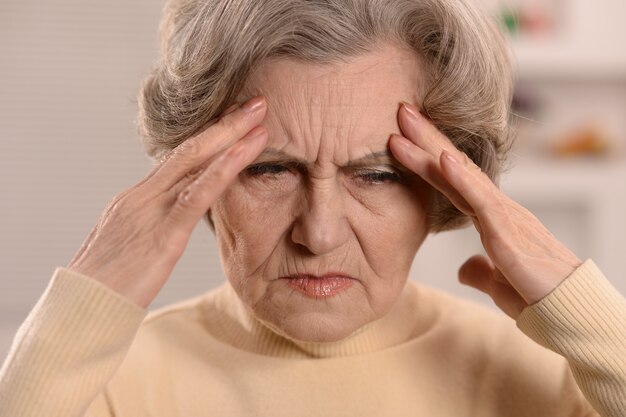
(229, 320)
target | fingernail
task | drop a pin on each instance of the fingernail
(410, 110)
(253, 104)
(450, 157)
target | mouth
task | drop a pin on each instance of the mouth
(319, 287)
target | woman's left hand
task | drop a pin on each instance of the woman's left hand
(525, 261)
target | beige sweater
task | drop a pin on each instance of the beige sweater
(84, 350)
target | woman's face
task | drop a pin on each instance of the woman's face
(317, 202)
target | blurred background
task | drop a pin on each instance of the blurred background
(70, 70)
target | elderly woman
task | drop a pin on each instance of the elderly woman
(322, 141)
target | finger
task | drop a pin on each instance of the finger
(189, 177)
(206, 145)
(425, 135)
(195, 172)
(421, 131)
(473, 186)
(491, 207)
(478, 267)
(167, 155)
(230, 109)
(425, 165)
(194, 201)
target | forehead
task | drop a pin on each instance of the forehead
(340, 110)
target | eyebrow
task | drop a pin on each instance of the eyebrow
(380, 157)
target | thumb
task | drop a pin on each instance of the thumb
(480, 272)
(476, 272)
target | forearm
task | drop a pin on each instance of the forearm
(67, 349)
(584, 320)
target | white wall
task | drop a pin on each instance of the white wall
(69, 72)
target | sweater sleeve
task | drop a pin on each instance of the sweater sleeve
(584, 320)
(68, 348)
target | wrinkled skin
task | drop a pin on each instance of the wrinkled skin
(325, 217)
(144, 230)
(321, 215)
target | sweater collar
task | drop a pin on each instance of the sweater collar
(228, 319)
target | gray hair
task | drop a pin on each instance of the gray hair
(209, 48)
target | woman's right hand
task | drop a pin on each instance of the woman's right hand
(145, 229)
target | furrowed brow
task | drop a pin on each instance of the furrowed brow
(278, 155)
(381, 157)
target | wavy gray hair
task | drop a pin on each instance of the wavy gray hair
(210, 47)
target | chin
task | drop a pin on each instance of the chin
(316, 329)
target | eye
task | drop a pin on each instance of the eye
(275, 179)
(266, 169)
(380, 177)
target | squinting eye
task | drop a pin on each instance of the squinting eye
(262, 169)
(380, 177)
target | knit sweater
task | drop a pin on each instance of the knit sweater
(85, 350)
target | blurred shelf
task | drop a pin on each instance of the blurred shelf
(551, 179)
(565, 60)
(578, 39)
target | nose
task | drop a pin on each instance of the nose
(322, 225)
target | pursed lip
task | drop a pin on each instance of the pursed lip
(312, 276)
(320, 286)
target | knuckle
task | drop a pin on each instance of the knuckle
(118, 202)
(200, 190)
(219, 176)
(190, 148)
(192, 195)
(195, 172)
(187, 197)
(117, 211)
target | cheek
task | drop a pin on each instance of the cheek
(398, 208)
(393, 226)
(249, 224)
